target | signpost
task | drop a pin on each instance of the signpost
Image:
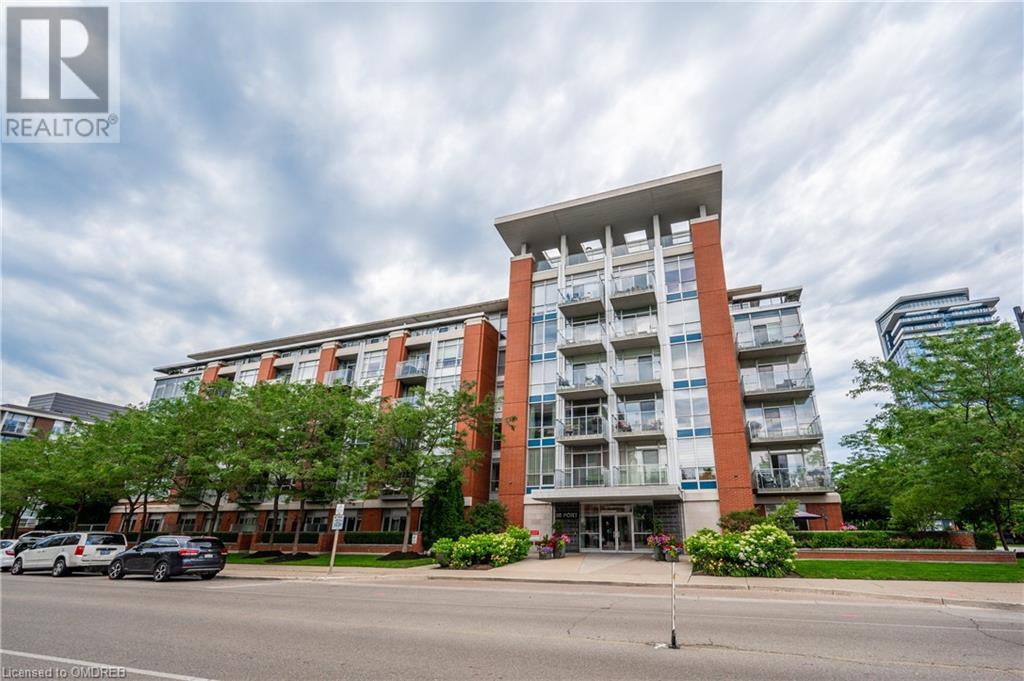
(338, 524)
(673, 645)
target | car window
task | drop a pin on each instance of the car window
(206, 543)
(166, 541)
(5, 543)
(105, 540)
(147, 544)
(49, 541)
(71, 539)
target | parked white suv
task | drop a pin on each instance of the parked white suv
(63, 553)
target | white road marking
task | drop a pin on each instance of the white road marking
(85, 663)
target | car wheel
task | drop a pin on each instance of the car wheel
(60, 568)
(115, 570)
(208, 576)
(162, 572)
(17, 569)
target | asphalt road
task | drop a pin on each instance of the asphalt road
(411, 629)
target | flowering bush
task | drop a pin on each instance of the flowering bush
(847, 527)
(494, 549)
(658, 540)
(442, 551)
(558, 540)
(671, 550)
(761, 551)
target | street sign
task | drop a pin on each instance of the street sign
(339, 518)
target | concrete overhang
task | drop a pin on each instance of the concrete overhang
(609, 494)
(674, 198)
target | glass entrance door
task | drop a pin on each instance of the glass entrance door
(616, 532)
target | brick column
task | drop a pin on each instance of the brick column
(479, 366)
(371, 519)
(396, 353)
(267, 370)
(211, 371)
(328, 360)
(728, 432)
(512, 478)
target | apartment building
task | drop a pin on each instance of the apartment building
(639, 382)
(902, 325)
(51, 414)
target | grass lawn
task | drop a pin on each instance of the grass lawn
(894, 569)
(341, 560)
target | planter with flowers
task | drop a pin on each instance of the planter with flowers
(670, 552)
(558, 543)
(545, 552)
(658, 542)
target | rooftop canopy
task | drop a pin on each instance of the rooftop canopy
(626, 210)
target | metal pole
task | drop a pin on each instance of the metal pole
(334, 552)
(673, 645)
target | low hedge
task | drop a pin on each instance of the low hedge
(374, 537)
(872, 539)
(985, 541)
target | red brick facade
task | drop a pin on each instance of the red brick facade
(396, 353)
(479, 366)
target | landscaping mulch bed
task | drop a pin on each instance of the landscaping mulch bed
(264, 554)
(289, 557)
(399, 555)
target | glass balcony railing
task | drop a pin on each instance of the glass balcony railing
(637, 373)
(582, 292)
(582, 334)
(641, 474)
(411, 400)
(766, 432)
(777, 381)
(411, 368)
(629, 284)
(586, 476)
(592, 255)
(582, 426)
(633, 247)
(676, 238)
(582, 377)
(638, 423)
(625, 327)
(793, 478)
(769, 337)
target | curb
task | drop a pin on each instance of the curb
(935, 600)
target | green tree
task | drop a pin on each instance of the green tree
(952, 427)
(443, 509)
(20, 483)
(416, 444)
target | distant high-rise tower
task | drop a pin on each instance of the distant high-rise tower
(904, 323)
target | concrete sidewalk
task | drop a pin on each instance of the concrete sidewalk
(318, 573)
(644, 571)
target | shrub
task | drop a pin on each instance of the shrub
(494, 549)
(442, 550)
(762, 551)
(373, 537)
(985, 541)
(488, 517)
(872, 539)
(740, 521)
(443, 508)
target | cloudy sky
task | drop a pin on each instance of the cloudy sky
(284, 168)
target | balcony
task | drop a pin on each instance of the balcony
(778, 385)
(789, 433)
(411, 400)
(640, 474)
(582, 430)
(12, 427)
(633, 290)
(340, 377)
(637, 379)
(647, 426)
(584, 381)
(582, 339)
(772, 341)
(413, 371)
(593, 255)
(582, 298)
(587, 476)
(796, 479)
(676, 239)
(633, 248)
(635, 332)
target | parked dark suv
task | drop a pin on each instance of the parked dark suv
(170, 555)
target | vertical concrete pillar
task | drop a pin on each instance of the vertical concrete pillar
(267, 370)
(328, 359)
(728, 432)
(396, 353)
(512, 479)
(479, 366)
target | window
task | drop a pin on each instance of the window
(174, 387)
(688, 361)
(274, 524)
(71, 539)
(247, 376)
(394, 520)
(283, 375)
(449, 356)
(692, 410)
(187, 522)
(105, 540)
(542, 377)
(680, 275)
(155, 522)
(500, 370)
(495, 475)
(305, 372)
(247, 521)
(541, 420)
(316, 521)
(16, 424)
(373, 366)
(540, 467)
(683, 317)
(545, 336)
(545, 296)
(353, 520)
(61, 427)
